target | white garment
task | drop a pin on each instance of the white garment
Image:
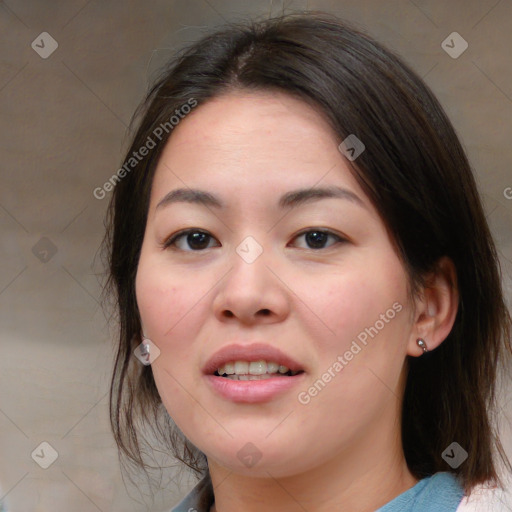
(487, 499)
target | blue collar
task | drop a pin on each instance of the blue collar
(440, 492)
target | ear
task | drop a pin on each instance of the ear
(436, 308)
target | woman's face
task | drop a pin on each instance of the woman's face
(312, 275)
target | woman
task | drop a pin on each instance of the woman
(302, 265)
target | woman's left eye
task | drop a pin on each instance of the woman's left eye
(318, 237)
(197, 240)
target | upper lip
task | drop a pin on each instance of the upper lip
(252, 352)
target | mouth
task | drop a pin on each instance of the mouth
(252, 373)
(254, 360)
(254, 370)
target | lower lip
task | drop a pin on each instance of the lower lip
(252, 391)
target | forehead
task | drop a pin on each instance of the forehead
(257, 138)
(245, 113)
(245, 121)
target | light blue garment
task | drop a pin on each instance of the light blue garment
(440, 492)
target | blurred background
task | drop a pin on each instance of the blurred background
(71, 74)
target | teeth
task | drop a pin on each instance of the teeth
(272, 367)
(249, 377)
(241, 367)
(258, 369)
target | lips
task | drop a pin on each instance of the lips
(252, 352)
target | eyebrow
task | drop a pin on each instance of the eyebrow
(288, 200)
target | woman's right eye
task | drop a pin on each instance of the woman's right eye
(196, 239)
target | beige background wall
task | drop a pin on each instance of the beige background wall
(62, 123)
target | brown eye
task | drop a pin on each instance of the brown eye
(317, 238)
(194, 239)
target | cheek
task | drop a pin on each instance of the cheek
(165, 299)
(168, 306)
(344, 395)
(170, 309)
(347, 303)
(365, 309)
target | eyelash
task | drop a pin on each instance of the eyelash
(169, 242)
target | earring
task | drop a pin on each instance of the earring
(421, 343)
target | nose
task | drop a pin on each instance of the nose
(252, 292)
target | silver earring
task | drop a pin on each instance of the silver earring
(421, 343)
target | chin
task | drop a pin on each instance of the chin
(248, 459)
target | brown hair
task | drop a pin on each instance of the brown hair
(417, 176)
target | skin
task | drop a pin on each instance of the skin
(342, 450)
